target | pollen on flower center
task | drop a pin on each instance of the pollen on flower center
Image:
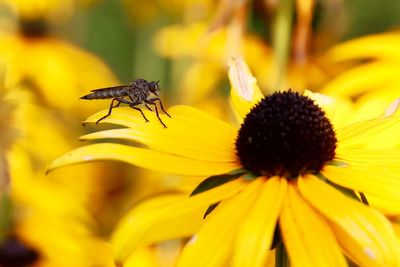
(285, 134)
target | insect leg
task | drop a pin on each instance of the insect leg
(110, 109)
(138, 109)
(136, 102)
(147, 106)
(161, 105)
(151, 102)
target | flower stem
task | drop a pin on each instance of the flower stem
(6, 220)
(281, 39)
(281, 257)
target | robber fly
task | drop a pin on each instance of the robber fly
(137, 92)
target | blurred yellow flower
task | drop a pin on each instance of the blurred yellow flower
(306, 177)
(47, 76)
(50, 222)
(200, 47)
(41, 222)
(58, 72)
(370, 77)
(373, 76)
(41, 9)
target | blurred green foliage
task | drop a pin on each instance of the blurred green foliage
(106, 29)
(371, 16)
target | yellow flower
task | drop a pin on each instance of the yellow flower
(370, 77)
(229, 29)
(58, 72)
(43, 9)
(50, 225)
(41, 222)
(286, 170)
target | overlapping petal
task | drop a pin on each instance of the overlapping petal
(370, 180)
(210, 139)
(377, 46)
(362, 78)
(66, 72)
(357, 133)
(308, 239)
(365, 234)
(150, 224)
(337, 109)
(142, 157)
(256, 233)
(387, 206)
(389, 156)
(245, 92)
(213, 243)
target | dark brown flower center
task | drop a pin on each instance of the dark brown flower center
(285, 134)
(13, 253)
(34, 27)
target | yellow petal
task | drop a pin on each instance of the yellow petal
(185, 146)
(359, 132)
(153, 223)
(388, 207)
(369, 156)
(66, 72)
(200, 118)
(382, 46)
(35, 10)
(378, 182)
(364, 233)
(194, 41)
(308, 238)
(145, 256)
(256, 234)
(199, 80)
(393, 108)
(396, 226)
(191, 133)
(337, 109)
(362, 78)
(145, 158)
(245, 92)
(213, 244)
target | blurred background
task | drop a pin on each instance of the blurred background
(123, 33)
(52, 52)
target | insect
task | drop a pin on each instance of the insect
(138, 92)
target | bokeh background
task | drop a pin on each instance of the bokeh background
(54, 51)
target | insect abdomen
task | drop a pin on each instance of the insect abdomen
(106, 93)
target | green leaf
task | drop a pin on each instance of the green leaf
(348, 192)
(210, 209)
(217, 180)
(281, 256)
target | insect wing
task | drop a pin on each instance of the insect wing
(110, 88)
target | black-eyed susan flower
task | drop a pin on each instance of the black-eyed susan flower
(47, 75)
(286, 172)
(50, 226)
(31, 54)
(41, 222)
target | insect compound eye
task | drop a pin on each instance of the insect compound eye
(153, 86)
